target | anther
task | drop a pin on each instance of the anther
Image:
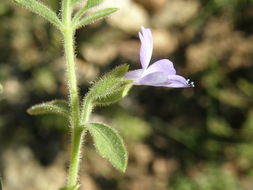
(190, 83)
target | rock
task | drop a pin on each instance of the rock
(130, 17)
(143, 154)
(222, 42)
(197, 56)
(164, 42)
(13, 91)
(103, 47)
(130, 50)
(217, 28)
(242, 54)
(151, 4)
(101, 55)
(88, 183)
(175, 13)
(164, 168)
(86, 72)
(22, 171)
(142, 182)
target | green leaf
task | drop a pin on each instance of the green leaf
(94, 17)
(76, 187)
(42, 10)
(74, 1)
(59, 107)
(80, 13)
(107, 90)
(109, 145)
(93, 3)
(115, 96)
(109, 83)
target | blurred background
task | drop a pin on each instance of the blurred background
(178, 139)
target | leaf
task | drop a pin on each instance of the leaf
(59, 107)
(109, 83)
(93, 3)
(94, 17)
(74, 1)
(42, 10)
(107, 89)
(109, 145)
(115, 96)
(80, 13)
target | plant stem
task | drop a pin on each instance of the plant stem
(77, 131)
(77, 135)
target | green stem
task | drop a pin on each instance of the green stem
(77, 135)
(74, 97)
(77, 131)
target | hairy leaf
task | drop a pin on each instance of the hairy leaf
(115, 96)
(109, 145)
(42, 10)
(80, 13)
(74, 1)
(59, 107)
(94, 17)
(109, 83)
(93, 3)
(108, 89)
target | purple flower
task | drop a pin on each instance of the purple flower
(160, 73)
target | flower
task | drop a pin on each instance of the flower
(160, 73)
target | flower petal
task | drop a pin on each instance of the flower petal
(146, 47)
(154, 79)
(134, 75)
(177, 81)
(162, 79)
(164, 65)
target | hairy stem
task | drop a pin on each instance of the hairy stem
(77, 135)
(76, 139)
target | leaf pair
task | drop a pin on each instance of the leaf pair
(93, 17)
(108, 143)
(111, 88)
(79, 19)
(89, 3)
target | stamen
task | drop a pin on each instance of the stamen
(190, 83)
